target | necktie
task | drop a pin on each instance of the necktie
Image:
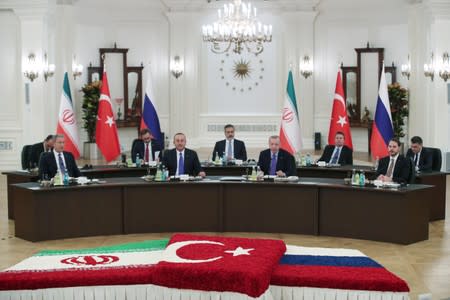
(181, 165)
(146, 153)
(62, 168)
(335, 158)
(229, 151)
(391, 168)
(415, 159)
(273, 165)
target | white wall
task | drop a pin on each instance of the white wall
(11, 105)
(199, 102)
(339, 29)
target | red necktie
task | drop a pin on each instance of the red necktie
(146, 152)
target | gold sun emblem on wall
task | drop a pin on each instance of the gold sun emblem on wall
(241, 69)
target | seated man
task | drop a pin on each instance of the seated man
(338, 153)
(181, 160)
(37, 149)
(58, 161)
(394, 167)
(146, 147)
(276, 161)
(422, 157)
(231, 147)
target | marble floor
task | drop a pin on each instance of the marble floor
(424, 265)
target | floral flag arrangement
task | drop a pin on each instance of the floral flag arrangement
(201, 267)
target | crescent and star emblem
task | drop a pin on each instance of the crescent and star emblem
(170, 254)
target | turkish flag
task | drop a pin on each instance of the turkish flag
(106, 135)
(339, 119)
(222, 264)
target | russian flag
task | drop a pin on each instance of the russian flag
(333, 268)
(150, 118)
(382, 128)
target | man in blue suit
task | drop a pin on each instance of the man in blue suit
(231, 147)
(181, 160)
(276, 161)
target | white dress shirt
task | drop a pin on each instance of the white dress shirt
(334, 152)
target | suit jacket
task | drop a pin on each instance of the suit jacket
(35, 154)
(345, 158)
(138, 146)
(191, 162)
(425, 159)
(401, 171)
(285, 162)
(48, 165)
(239, 149)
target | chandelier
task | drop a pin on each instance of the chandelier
(237, 26)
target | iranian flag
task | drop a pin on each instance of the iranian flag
(290, 136)
(67, 123)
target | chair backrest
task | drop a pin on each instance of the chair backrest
(437, 158)
(25, 156)
(412, 171)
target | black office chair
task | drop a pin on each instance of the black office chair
(437, 158)
(25, 156)
(412, 171)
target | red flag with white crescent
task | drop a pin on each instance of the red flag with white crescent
(106, 135)
(339, 119)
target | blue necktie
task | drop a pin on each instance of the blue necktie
(273, 165)
(62, 168)
(229, 152)
(181, 165)
(335, 158)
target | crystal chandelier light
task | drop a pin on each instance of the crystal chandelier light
(239, 27)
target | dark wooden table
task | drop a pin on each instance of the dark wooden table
(437, 194)
(313, 206)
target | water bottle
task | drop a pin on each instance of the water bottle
(217, 159)
(356, 182)
(166, 173)
(66, 178)
(353, 176)
(362, 178)
(224, 159)
(303, 163)
(163, 173)
(159, 173)
(138, 160)
(254, 173)
(308, 160)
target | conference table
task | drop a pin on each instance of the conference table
(311, 206)
(436, 195)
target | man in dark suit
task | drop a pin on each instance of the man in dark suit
(276, 161)
(38, 148)
(146, 146)
(422, 157)
(230, 147)
(395, 167)
(338, 153)
(181, 160)
(58, 160)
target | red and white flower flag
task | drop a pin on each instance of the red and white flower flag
(67, 122)
(221, 264)
(106, 135)
(339, 120)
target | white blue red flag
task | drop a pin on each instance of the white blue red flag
(67, 122)
(150, 118)
(382, 128)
